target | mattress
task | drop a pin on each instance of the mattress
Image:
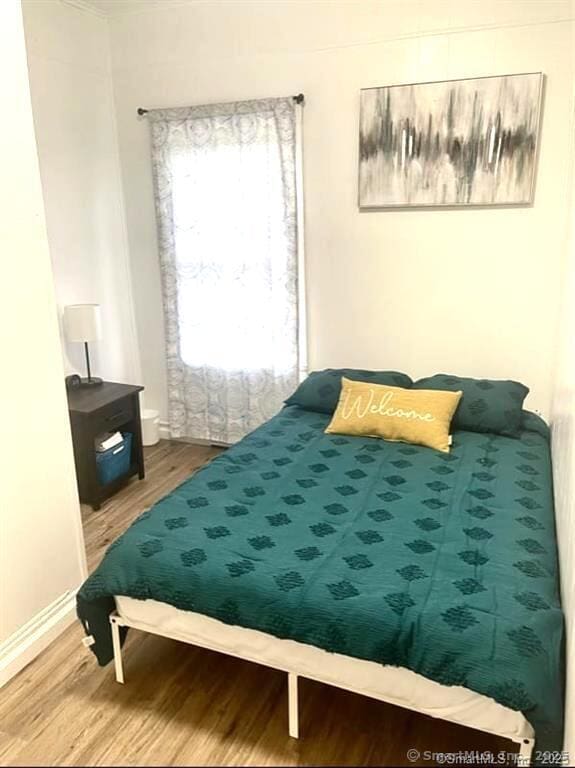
(395, 685)
(442, 564)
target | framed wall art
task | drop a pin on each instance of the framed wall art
(450, 143)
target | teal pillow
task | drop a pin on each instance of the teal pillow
(534, 423)
(487, 405)
(320, 391)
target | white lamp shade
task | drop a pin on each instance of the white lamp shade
(82, 322)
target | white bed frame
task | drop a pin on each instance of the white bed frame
(525, 744)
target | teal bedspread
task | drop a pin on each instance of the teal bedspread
(442, 563)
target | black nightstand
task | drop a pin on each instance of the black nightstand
(94, 410)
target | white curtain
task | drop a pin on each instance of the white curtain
(226, 202)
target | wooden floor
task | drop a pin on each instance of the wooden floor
(186, 706)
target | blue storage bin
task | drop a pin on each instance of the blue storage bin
(114, 462)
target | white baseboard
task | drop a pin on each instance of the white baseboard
(165, 434)
(31, 639)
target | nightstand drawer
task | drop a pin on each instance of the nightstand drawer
(115, 414)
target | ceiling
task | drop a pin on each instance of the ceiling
(117, 7)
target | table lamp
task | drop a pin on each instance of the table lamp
(82, 324)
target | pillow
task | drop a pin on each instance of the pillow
(321, 390)
(420, 416)
(486, 406)
(534, 423)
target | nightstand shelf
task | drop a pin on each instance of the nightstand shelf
(93, 411)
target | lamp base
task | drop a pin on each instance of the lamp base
(93, 381)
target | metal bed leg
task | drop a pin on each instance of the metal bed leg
(117, 650)
(293, 706)
(525, 751)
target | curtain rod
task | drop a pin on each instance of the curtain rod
(299, 99)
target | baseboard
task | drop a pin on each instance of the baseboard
(164, 431)
(27, 642)
(165, 434)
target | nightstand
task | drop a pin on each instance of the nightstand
(108, 407)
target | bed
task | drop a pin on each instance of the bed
(421, 578)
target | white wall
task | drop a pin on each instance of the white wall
(466, 291)
(563, 430)
(41, 548)
(70, 80)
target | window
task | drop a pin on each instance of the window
(227, 213)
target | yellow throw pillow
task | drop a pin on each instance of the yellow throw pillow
(420, 416)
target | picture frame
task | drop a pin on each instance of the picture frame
(450, 143)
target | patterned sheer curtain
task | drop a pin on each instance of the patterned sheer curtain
(225, 190)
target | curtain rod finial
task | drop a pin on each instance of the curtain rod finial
(299, 98)
(142, 111)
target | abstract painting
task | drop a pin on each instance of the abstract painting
(450, 143)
